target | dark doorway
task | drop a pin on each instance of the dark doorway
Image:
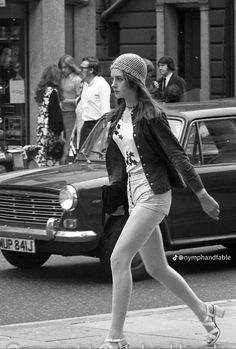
(189, 47)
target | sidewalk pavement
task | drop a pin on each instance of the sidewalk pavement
(170, 327)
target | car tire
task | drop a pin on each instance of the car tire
(111, 234)
(25, 260)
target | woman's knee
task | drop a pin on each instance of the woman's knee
(119, 260)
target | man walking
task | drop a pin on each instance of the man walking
(95, 97)
(170, 87)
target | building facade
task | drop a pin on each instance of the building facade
(198, 34)
(34, 34)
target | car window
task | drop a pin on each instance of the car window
(212, 142)
(176, 126)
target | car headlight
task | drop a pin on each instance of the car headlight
(68, 198)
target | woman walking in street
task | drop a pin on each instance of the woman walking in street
(143, 153)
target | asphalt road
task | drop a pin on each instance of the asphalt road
(76, 286)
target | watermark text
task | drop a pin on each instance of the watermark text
(201, 257)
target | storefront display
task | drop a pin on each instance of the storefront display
(12, 83)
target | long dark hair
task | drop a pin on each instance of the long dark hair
(51, 77)
(147, 106)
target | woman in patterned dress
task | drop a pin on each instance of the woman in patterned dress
(48, 96)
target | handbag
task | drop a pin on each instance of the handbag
(113, 196)
(54, 148)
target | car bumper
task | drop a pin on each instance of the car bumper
(51, 233)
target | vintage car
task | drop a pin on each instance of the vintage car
(59, 210)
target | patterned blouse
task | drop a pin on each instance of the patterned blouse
(123, 136)
(50, 126)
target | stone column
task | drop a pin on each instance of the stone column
(85, 31)
(205, 54)
(47, 45)
(160, 29)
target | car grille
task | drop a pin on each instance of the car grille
(28, 208)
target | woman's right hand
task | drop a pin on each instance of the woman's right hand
(209, 205)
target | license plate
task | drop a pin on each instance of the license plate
(19, 245)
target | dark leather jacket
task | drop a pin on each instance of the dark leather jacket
(164, 161)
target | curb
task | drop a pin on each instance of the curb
(107, 316)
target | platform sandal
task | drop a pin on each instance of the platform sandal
(110, 343)
(210, 321)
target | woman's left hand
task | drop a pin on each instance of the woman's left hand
(209, 205)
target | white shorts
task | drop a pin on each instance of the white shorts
(140, 193)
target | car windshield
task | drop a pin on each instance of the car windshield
(94, 148)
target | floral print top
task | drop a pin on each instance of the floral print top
(45, 135)
(123, 136)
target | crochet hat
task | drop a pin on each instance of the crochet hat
(131, 64)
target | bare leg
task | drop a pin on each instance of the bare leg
(142, 233)
(136, 231)
(156, 264)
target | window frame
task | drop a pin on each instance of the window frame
(196, 124)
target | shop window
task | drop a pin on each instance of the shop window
(12, 83)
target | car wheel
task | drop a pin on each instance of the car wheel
(112, 232)
(25, 260)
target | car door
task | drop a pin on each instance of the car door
(211, 147)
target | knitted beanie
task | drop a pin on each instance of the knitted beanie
(131, 64)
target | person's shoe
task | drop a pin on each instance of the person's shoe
(210, 323)
(110, 343)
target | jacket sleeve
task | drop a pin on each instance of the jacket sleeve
(171, 148)
(54, 114)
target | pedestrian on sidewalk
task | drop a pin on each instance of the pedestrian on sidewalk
(144, 154)
(48, 96)
(170, 87)
(71, 86)
(95, 96)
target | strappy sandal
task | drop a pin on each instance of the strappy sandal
(110, 343)
(210, 321)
